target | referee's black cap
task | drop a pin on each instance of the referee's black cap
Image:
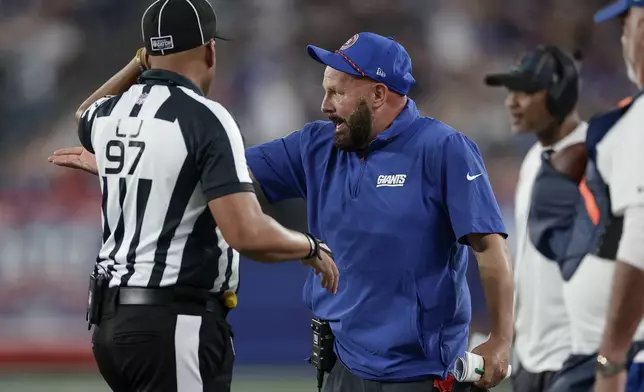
(535, 71)
(173, 26)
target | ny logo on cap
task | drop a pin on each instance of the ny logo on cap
(162, 43)
(350, 42)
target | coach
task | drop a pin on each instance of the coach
(398, 197)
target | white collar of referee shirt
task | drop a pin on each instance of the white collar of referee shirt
(168, 78)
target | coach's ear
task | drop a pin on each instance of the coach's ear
(379, 95)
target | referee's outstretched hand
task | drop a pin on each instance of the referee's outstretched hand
(75, 158)
(325, 266)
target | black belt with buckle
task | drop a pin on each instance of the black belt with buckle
(171, 296)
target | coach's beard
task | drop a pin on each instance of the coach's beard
(356, 132)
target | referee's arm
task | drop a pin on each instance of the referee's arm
(218, 149)
(116, 85)
(83, 157)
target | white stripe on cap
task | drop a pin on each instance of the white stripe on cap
(143, 18)
(198, 20)
(161, 12)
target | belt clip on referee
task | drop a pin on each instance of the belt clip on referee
(398, 197)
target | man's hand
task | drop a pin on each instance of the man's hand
(614, 383)
(496, 357)
(494, 263)
(75, 158)
(325, 266)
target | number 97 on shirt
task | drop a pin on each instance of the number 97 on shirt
(117, 149)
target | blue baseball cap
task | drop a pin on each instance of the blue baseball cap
(615, 9)
(371, 56)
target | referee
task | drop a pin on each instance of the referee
(177, 201)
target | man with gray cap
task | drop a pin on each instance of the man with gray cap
(177, 207)
(542, 97)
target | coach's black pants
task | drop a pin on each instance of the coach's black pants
(524, 381)
(172, 348)
(342, 380)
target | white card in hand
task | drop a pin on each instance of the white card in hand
(470, 367)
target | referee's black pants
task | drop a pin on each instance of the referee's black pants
(180, 346)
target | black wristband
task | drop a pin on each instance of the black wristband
(316, 248)
(314, 244)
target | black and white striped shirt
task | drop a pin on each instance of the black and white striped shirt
(163, 151)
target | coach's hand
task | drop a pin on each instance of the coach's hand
(496, 358)
(75, 158)
(325, 266)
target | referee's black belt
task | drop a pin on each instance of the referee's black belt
(171, 296)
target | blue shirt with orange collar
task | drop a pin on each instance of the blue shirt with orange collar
(397, 220)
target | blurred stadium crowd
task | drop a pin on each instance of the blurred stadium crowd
(53, 53)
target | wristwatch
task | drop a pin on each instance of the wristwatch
(606, 368)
